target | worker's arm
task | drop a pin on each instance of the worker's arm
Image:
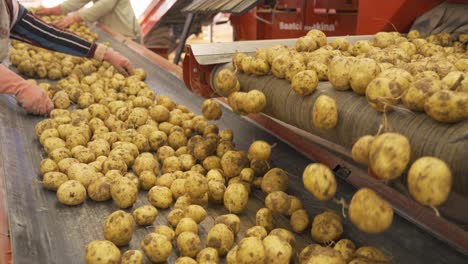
(31, 97)
(64, 8)
(33, 30)
(30, 29)
(98, 10)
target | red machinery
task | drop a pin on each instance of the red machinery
(293, 18)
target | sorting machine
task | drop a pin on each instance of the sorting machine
(36, 228)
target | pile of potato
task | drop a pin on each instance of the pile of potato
(424, 74)
(78, 28)
(111, 137)
(35, 62)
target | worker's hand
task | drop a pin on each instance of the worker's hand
(121, 63)
(43, 11)
(33, 99)
(68, 21)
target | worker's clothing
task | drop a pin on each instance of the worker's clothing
(116, 14)
(18, 23)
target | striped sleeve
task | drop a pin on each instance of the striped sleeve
(31, 29)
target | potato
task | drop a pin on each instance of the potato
(284, 235)
(325, 112)
(53, 143)
(102, 251)
(278, 202)
(304, 82)
(51, 132)
(326, 227)
(43, 125)
(99, 190)
(306, 253)
(299, 220)
(98, 110)
(177, 139)
(256, 231)
(254, 102)
(361, 73)
(429, 181)
(165, 152)
(246, 64)
(259, 67)
(196, 185)
(320, 69)
(236, 198)
(419, 91)
(160, 197)
(427, 74)
(114, 163)
(306, 44)
(447, 106)
(231, 257)
(250, 250)
(232, 162)
(237, 61)
(118, 228)
(211, 109)
(61, 100)
(216, 190)
(338, 72)
(208, 256)
(76, 139)
(132, 257)
(147, 180)
(71, 192)
(389, 155)
(165, 231)
(383, 92)
(65, 163)
(186, 225)
(53, 179)
(145, 164)
(175, 216)
(47, 165)
(360, 150)
(371, 253)
(294, 67)
(124, 192)
(370, 213)
(346, 248)
(145, 215)
(156, 247)
(185, 260)
(320, 181)
(259, 150)
(189, 244)
(454, 80)
(59, 154)
(196, 212)
(166, 180)
(178, 188)
(264, 218)
(340, 44)
(223, 147)
(296, 204)
(100, 147)
(226, 81)
(221, 238)
(113, 175)
(275, 180)
(280, 64)
(230, 220)
(277, 251)
(325, 255)
(171, 164)
(83, 173)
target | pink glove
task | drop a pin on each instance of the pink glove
(68, 21)
(31, 97)
(121, 63)
(43, 11)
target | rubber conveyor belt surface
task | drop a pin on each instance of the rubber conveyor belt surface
(44, 231)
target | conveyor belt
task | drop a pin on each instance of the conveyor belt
(356, 118)
(44, 231)
(237, 7)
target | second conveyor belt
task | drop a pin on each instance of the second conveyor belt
(44, 231)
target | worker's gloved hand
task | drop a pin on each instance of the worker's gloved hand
(68, 21)
(44, 11)
(121, 63)
(31, 97)
(34, 100)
